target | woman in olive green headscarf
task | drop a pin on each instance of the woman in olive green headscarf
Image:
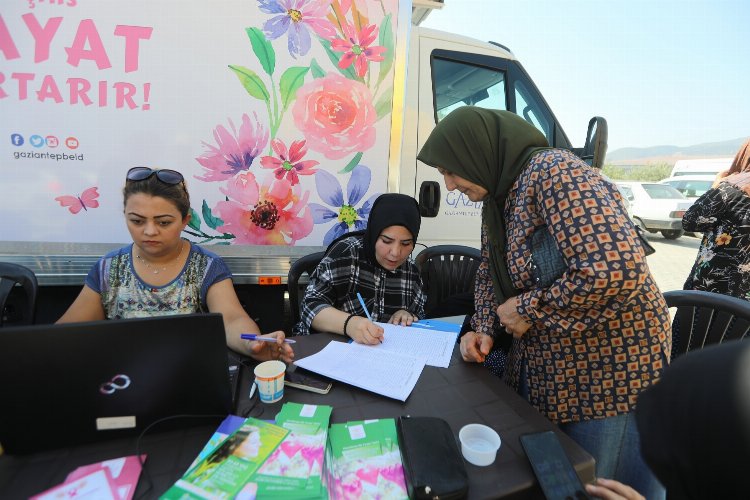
(590, 332)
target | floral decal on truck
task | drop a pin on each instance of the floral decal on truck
(324, 96)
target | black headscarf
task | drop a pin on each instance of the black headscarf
(489, 148)
(695, 423)
(391, 209)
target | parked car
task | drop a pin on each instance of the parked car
(656, 207)
(692, 186)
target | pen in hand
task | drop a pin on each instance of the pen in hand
(253, 336)
(362, 301)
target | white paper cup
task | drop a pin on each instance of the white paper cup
(269, 377)
(479, 444)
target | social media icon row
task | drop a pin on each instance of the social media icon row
(38, 141)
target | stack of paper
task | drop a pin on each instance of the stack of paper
(363, 461)
(391, 368)
(112, 479)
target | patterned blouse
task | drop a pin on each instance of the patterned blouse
(723, 262)
(344, 271)
(125, 295)
(601, 332)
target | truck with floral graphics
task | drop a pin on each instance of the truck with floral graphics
(287, 119)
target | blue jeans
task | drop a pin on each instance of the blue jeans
(615, 445)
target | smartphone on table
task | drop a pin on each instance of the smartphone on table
(552, 467)
(300, 378)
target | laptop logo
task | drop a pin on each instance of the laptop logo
(117, 383)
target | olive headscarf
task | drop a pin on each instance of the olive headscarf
(391, 209)
(489, 148)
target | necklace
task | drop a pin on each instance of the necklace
(155, 269)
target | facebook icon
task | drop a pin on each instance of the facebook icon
(16, 139)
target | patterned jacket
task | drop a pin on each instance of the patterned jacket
(601, 332)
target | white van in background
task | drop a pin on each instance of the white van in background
(709, 166)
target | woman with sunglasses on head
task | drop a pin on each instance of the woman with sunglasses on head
(160, 273)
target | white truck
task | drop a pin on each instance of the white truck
(285, 122)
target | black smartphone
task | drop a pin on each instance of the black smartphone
(306, 380)
(552, 467)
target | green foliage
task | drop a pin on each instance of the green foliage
(643, 173)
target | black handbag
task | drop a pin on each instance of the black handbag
(547, 263)
(433, 465)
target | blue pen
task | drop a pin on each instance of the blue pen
(253, 336)
(362, 301)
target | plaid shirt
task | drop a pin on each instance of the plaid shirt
(344, 271)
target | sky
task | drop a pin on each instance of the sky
(662, 72)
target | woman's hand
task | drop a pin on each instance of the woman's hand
(510, 319)
(364, 331)
(609, 489)
(264, 351)
(475, 347)
(402, 317)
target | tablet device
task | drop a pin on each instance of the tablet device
(552, 467)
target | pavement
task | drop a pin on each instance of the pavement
(673, 260)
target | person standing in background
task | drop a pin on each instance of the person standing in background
(588, 338)
(722, 214)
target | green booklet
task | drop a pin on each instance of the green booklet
(295, 469)
(227, 470)
(363, 461)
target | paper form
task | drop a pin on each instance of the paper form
(434, 345)
(384, 372)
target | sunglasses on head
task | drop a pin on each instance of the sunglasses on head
(165, 175)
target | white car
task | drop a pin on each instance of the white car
(692, 186)
(656, 207)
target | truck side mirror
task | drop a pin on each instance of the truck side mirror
(595, 148)
(429, 199)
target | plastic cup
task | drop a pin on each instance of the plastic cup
(479, 444)
(269, 377)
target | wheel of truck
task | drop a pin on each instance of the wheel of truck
(672, 234)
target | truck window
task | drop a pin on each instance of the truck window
(459, 84)
(529, 108)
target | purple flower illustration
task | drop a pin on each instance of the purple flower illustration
(295, 17)
(343, 214)
(234, 152)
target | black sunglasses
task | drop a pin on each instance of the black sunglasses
(165, 175)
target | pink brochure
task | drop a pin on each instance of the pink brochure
(123, 471)
(96, 485)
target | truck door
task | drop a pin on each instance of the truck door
(458, 79)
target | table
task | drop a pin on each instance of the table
(461, 394)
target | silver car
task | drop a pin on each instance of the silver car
(656, 207)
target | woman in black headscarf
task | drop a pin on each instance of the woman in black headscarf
(564, 273)
(375, 264)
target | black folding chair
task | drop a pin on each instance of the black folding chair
(10, 275)
(301, 266)
(448, 271)
(705, 318)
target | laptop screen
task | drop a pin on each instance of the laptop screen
(78, 382)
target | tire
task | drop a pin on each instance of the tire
(672, 234)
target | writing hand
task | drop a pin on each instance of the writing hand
(364, 331)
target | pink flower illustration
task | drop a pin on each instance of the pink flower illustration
(357, 48)
(288, 164)
(336, 116)
(273, 213)
(234, 152)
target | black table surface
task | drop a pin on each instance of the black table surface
(461, 394)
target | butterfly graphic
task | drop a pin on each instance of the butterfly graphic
(76, 203)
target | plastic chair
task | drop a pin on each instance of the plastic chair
(705, 318)
(303, 265)
(447, 270)
(10, 274)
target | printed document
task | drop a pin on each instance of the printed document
(434, 345)
(384, 372)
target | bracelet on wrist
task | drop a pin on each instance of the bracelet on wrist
(346, 323)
